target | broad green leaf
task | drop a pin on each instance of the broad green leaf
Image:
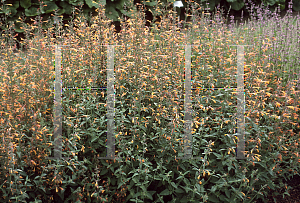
(18, 27)
(111, 13)
(67, 7)
(179, 190)
(151, 3)
(13, 8)
(184, 200)
(149, 195)
(213, 189)
(104, 171)
(25, 3)
(223, 198)
(32, 11)
(76, 2)
(237, 5)
(165, 192)
(60, 12)
(213, 198)
(270, 2)
(92, 3)
(296, 6)
(51, 6)
(138, 194)
(102, 2)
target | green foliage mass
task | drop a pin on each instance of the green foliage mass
(147, 170)
(12, 10)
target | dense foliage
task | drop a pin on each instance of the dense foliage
(149, 114)
(19, 11)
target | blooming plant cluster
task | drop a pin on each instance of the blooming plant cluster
(149, 68)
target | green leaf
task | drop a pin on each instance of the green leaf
(25, 3)
(103, 172)
(136, 200)
(71, 168)
(213, 198)
(223, 198)
(67, 7)
(165, 192)
(76, 2)
(157, 177)
(213, 189)
(51, 6)
(184, 200)
(95, 138)
(60, 11)
(179, 190)
(149, 194)
(102, 2)
(296, 5)
(174, 185)
(237, 5)
(111, 13)
(15, 5)
(92, 3)
(153, 3)
(32, 11)
(137, 195)
(135, 174)
(271, 2)
(227, 192)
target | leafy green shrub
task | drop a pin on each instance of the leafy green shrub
(149, 124)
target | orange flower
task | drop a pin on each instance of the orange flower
(277, 104)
